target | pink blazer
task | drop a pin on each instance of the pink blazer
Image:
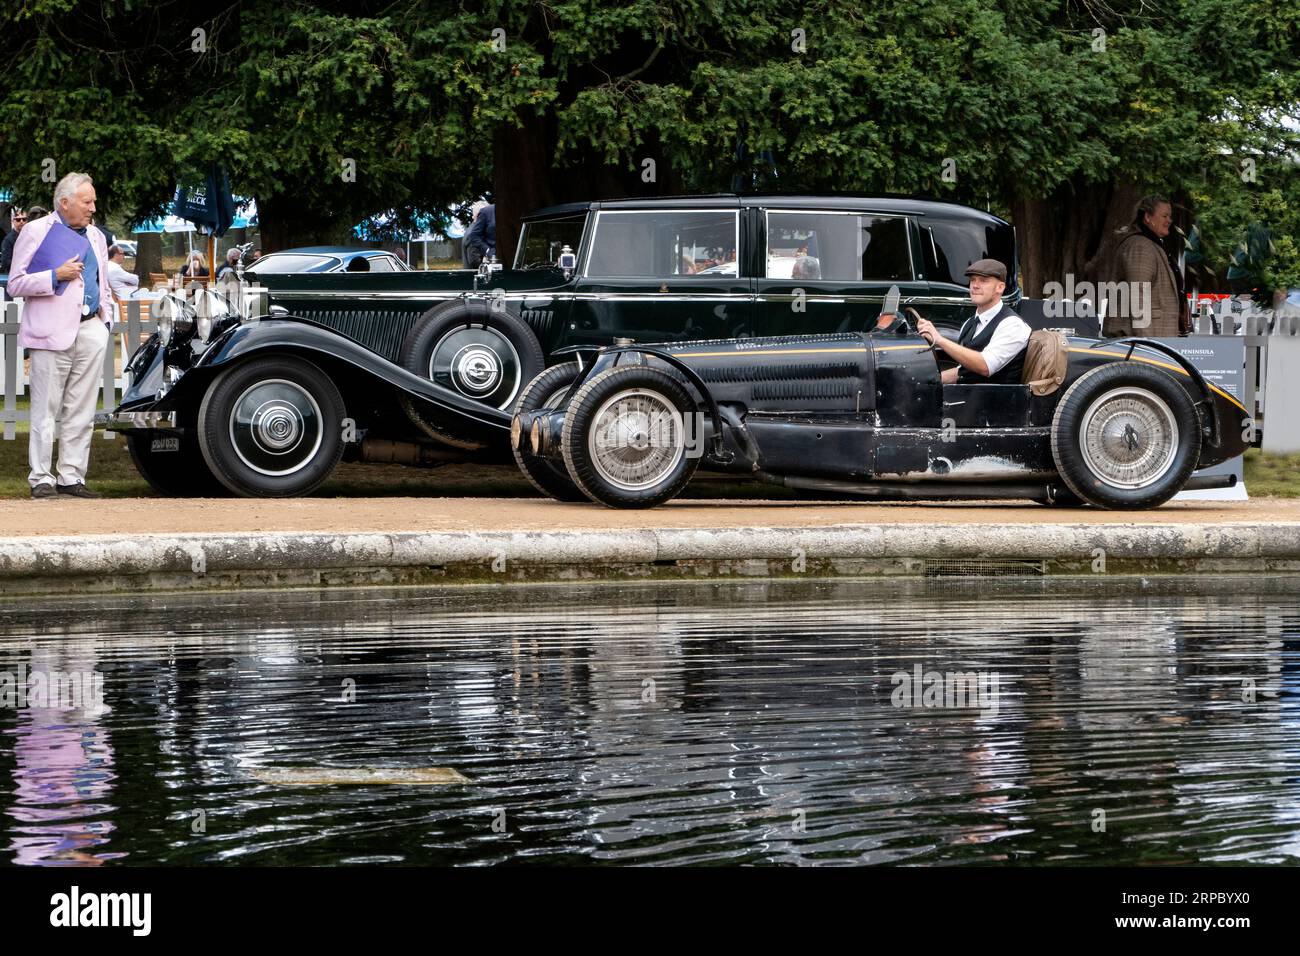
(51, 321)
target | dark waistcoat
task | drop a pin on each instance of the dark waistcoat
(1010, 373)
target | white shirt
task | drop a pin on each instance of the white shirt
(122, 282)
(1011, 336)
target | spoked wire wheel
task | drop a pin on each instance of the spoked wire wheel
(1129, 438)
(1126, 435)
(625, 437)
(636, 439)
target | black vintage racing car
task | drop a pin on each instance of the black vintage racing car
(854, 414)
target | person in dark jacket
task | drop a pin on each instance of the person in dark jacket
(19, 220)
(991, 345)
(481, 240)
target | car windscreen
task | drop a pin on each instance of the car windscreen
(949, 246)
(543, 240)
(277, 263)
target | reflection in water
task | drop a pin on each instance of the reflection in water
(63, 774)
(1135, 723)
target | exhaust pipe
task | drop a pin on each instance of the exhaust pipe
(914, 490)
(383, 451)
(1201, 482)
(954, 491)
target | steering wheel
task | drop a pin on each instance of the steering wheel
(916, 316)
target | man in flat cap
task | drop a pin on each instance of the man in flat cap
(991, 345)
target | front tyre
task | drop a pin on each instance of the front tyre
(625, 437)
(272, 428)
(173, 465)
(545, 391)
(1126, 436)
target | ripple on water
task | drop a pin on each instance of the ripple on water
(1113, 721)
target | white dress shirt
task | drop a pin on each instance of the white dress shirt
(1012, 336)
(123, 283)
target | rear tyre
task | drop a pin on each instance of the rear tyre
(544, 391)
(1126, 436)
(173, 464)
(272, 428)
(624, 437)
(475, 351)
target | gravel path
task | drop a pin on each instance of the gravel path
(120, 517)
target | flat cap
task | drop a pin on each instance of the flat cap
(988, 267)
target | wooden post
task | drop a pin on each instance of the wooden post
(212, 257)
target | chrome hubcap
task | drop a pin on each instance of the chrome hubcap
(477, 369)
(1129, 438)
(276, 427)
(636, 439)
(479, 363)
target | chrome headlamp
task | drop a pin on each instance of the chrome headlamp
(211, 309)
(173, 316)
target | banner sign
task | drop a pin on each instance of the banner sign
(1221, 359)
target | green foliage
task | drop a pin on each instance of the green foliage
(1018, 97)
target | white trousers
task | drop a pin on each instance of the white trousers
(65, 390)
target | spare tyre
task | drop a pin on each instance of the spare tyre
(1126, 436)
(478, 352)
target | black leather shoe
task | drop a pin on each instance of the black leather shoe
(44, 490)
(78, 491)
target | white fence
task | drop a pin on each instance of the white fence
(127, 334)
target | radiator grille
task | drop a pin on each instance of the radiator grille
(796, 391)
(785, 372)
(381, 331)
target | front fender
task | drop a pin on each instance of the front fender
(276, 336)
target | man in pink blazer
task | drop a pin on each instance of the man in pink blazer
(67, 311)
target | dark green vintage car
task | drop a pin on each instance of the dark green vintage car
(422, 367)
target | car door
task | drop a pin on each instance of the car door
(828, 270)
(662, 274)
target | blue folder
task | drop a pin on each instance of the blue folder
(59, 245)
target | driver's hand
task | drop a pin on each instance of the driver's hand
(925, 328)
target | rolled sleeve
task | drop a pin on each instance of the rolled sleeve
(1010, 338)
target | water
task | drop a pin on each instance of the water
(1131, 723)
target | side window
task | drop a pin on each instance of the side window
(949, 247)
(544, 240)
(381, 264)
(837, 247)
(663, 244)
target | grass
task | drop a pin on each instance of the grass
(1273, 475)
(112, 473)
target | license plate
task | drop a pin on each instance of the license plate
(165, 444)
